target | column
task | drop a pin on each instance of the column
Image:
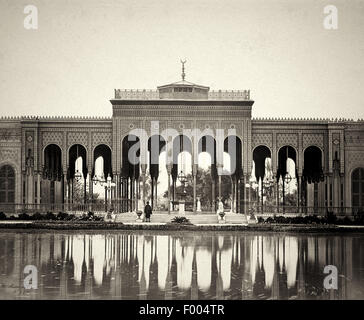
(29, 186)
(64, 193)
(143, 196)
(276, 187)
(219, 172)
(84, 190)
(233, 198)
(38, 189)
(155, 192)
(169, 172)
(174, 191)
(116, 191)
(328, 187)
(152, 192)
(245, 202)
(336, 191)
(131, 194)
(213, 196)
(194, 173)
(219, 186)
(137, 193)
(299, 193)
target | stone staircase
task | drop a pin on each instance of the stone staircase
(199, 218)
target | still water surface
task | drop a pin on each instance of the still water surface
(180, 265)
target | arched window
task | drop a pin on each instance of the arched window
(357, 180)
(7, 184)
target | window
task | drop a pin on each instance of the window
(357, 188)
(7, 184)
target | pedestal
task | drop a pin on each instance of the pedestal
(181, 207)
(198, 205)
(222, 219)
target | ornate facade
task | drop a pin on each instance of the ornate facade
(37, 154)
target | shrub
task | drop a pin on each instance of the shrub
(70, 217)
(346, 220)
(261, 220)
(98, 218)
(24, 216)
(181, 220)
(359, 218)
(331, 217)
(37, 216)
(269, 220)
(62, 216)
(2, 216)
(50, 216)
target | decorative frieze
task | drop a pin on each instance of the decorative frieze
(52, 137)
(287, 139)
(356, 158)
(261, 139)
(7, 134)
(313, 139)
(77, 138)
(101, 138)
(10, 154)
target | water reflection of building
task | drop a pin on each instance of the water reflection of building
(142, 266)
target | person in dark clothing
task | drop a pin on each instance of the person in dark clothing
(147, 212)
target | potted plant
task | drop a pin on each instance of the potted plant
(139, 214)
(252, 217)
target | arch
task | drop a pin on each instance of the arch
(104, 151)
(46, 146)
(74, 152)
(260, 153)
(318, 147)
(128, 169)
(52, 162)
(180, 143)
(312, 165)
(156, 145)
(284, 153)
(7, 184)
(236, 168)
(357, 189)
(207, 143)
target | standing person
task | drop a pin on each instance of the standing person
(147, 212)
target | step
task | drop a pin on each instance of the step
(193, 218)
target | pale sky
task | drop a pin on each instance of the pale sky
(278, 49)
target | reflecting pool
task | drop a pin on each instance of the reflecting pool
(180, 265)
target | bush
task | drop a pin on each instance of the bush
(346, 220)
(2, 216)
(359, 218)
(70, 217)
(37, 216)
(261, 220)
(24, 216)
(181, 220)
(62, 216)
(50, 216)
(331, 217)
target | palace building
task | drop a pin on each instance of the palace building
(39, 156)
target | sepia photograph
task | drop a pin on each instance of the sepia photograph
(181, 155)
